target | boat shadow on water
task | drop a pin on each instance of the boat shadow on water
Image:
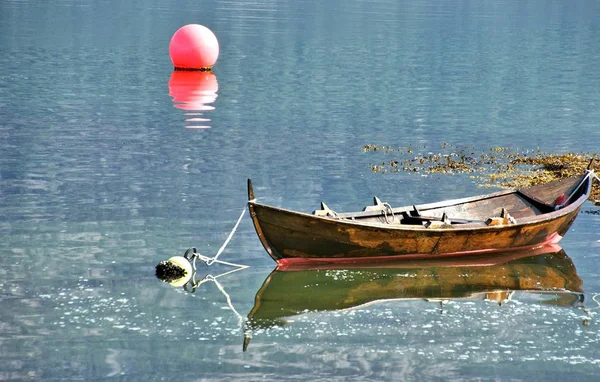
(546, 275)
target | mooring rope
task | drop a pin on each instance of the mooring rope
(218, 284)
(594, 296)
(211, 260)
(214, 259)
(207, 278)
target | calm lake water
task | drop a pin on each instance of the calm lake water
(110, 164)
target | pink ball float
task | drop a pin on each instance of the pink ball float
(194, 47)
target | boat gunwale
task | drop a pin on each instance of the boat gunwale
(576, 204)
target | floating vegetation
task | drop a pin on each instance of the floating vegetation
(497, 167)
(169, 271)
(591, 212)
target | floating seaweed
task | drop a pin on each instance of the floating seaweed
(169, 271)
(591, 212)
(497, 167)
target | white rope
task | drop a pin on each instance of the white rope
(197, 255)
(214, 259)
(239, 316)
(195, 284)
(386, 207)
(194, 255)
(211, 260)
(594, 296)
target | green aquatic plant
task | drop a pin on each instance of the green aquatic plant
(497, 167)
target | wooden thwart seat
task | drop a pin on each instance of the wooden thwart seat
(504, 219)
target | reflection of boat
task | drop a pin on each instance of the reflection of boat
(516, 220)
(194, 91)
(547, 272)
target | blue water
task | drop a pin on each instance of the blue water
(103, 174)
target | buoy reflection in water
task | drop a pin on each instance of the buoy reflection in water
(194, 92)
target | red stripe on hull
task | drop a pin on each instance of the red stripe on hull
(297, 263)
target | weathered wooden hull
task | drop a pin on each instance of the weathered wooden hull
(288, 235)
(292, 237)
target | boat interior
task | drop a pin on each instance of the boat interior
(500, 208)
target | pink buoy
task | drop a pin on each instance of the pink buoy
(194, 47)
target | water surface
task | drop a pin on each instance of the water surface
(101, 177)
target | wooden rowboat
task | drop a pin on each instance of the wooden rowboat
(507, 220)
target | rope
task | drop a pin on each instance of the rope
(387, 207)
(214, 259)
(192, 254)
(193, 285)
(596, 301)
(218, 284)
(212, 278)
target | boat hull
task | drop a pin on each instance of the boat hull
(292, 238)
